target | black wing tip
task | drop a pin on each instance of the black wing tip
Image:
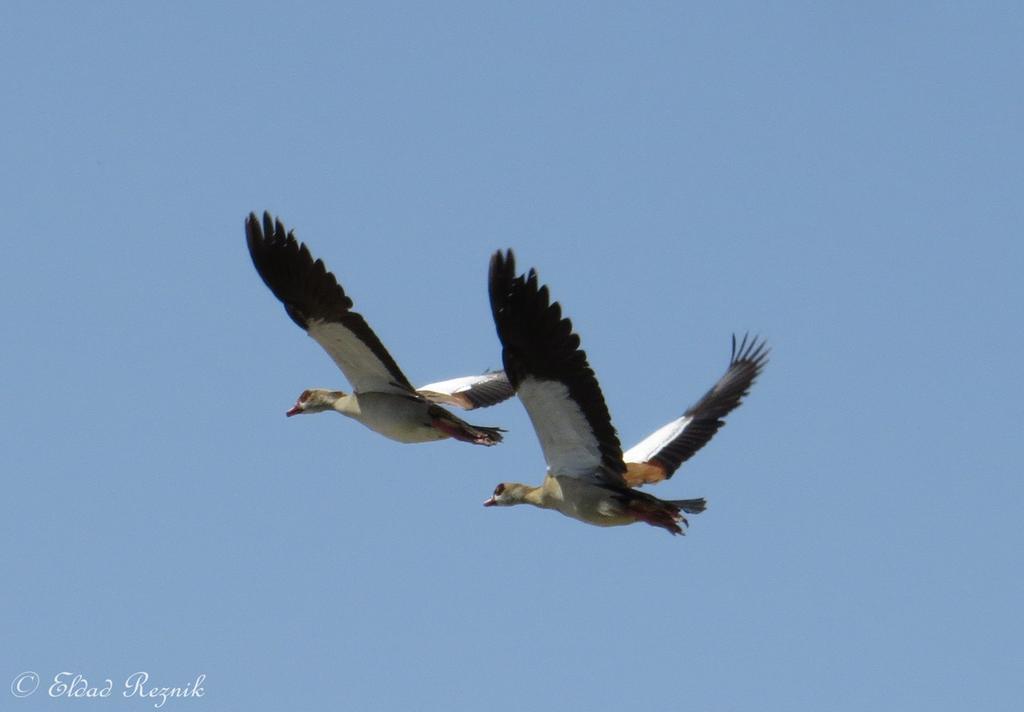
(303, 284)
(751, 349)
(253, 232)
(268, 235)
(500, 276)
(505, 260)
(747, 361)
(749, 356)
(268, 225)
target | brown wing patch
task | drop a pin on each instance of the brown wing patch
(644, 473)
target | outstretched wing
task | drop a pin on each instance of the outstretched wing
(316, 302)
(470, 392)
(549, 371)
(661, 453)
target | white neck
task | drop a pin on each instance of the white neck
(347, 404)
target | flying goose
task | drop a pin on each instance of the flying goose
(588, 476)
(382, 398)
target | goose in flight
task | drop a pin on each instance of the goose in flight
(588, 476)
(382, 398)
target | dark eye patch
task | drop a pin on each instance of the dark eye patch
(499, 489)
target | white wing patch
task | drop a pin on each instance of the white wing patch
(469, 392)
(454, 386)
(361, 367)
(566, 438)
(650, 446)
(448, 391)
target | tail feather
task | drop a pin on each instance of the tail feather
(459, 429)
(690, 506)
(485, 435)
(665, 513)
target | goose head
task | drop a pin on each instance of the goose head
(508, 493)
(315, 400)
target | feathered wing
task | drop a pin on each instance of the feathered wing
(315, 301)
(550, 373)
(470, 392)
(659, 455)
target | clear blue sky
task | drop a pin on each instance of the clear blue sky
(845, 181)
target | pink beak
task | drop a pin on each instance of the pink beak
(295, 410)
(490, 502)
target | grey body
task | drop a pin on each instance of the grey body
(403, 418)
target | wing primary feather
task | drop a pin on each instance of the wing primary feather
(676, 442)
(538, 344)
(314, 300)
